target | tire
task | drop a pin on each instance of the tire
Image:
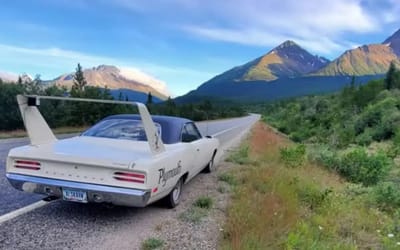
(211, 164)
(174, 197)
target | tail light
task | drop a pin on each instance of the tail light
(130, 176)
(27, 164)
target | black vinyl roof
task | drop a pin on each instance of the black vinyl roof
(171, 126)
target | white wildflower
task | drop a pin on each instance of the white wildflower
(390, 235)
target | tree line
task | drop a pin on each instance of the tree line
(74, 114)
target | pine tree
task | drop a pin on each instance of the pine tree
(390, 76)
(149, 99)
(19, 82)
(79, 79)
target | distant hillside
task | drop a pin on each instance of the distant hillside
(133, 95)
(11, 77)
(118, 78)
(254, 91)
(365, 60)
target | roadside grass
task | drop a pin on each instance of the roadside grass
(198, 210)
(240, 156)
(152, 243)
(277, 206)
(203, 202)
(22, 133)
(228, 178)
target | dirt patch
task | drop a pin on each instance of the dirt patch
(265, 139)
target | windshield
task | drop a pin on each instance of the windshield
(120, 129)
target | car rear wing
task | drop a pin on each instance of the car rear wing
(39, 131)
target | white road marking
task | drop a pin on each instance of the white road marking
(21, 211)
(225, 130)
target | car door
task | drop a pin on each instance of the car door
(193, 138)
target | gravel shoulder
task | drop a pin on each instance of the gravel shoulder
(64, 225)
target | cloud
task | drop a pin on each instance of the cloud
(56, 61)
(318, 25)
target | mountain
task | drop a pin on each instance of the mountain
(8, 77)
(394, 42)
(113, 77)
(289, 71)
(286, 60)
(365, 60)
(259, 91)
(11, 77)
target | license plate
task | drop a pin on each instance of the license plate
(75, 195)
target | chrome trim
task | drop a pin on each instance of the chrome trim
(53, 187)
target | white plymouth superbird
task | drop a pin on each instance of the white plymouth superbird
(129, 160)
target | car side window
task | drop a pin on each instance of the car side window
(190, 133)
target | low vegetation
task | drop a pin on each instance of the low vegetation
(152, 243)
(198, 210)
(228, 178)
(293, 156)
(303, 205)
(203, 202)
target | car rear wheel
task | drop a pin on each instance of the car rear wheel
(174, 197)
(211, 165)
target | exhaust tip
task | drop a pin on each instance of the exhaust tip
(50, 198)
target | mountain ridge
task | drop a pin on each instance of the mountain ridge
(281, 73)
(394, 42)
(114, 77)
(364, 60)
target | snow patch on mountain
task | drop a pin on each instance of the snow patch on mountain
(137, 75)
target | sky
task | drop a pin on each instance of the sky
(180, 42)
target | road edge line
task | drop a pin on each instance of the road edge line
(11, 215)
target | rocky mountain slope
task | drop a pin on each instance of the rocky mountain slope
(365, 60)
(113, 77)
(286, 60)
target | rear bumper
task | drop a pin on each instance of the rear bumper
(95, 193)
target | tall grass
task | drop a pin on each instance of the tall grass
(309, 207)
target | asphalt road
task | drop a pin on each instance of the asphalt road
(64, 225)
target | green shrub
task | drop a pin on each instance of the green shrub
(203, 202)
(364, 139)
(359, 167)
(325, 156)
(312, 195)
(152, 243)
(293, 156)
(387, 196)
(394, 150)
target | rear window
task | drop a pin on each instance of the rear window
(120, 129)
